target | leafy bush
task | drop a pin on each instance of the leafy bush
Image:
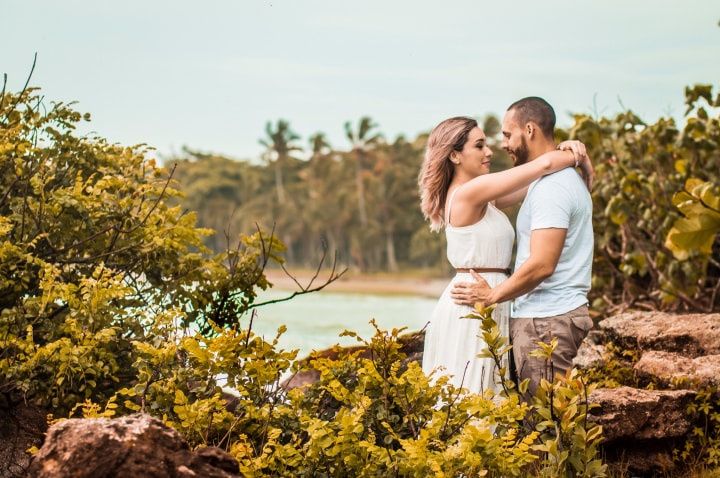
(640, 168)
(111, 304)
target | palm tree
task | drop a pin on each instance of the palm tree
(362, 141)
(319, 144)
(280, 143)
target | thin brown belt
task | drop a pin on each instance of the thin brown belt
(484, 269)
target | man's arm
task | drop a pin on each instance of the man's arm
(515, 197)
(545, 248)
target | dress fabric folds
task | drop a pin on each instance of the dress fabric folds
(451, 342)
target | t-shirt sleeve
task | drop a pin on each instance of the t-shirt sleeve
(551, 205)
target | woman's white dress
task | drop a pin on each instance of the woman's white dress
(451, 342)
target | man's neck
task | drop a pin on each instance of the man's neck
(540, 149)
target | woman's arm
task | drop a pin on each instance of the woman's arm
(586, 169)
(481, 190)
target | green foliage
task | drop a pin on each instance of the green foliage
(111, 304)
(562, 405)
(640, 167)
(696, 231)
(616, 368)
(703, 447)
(558, 415)
(361, 200)
(93, 255)
(380, 416)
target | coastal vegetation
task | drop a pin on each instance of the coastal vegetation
(118, 296)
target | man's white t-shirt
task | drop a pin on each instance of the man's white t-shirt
(559, 200)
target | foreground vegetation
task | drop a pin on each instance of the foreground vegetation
(112, 302)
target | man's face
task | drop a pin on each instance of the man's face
(514, 141)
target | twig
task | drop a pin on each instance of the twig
(2, 95)
(152, 379)
(22, 92)
(452, 402)
(333, 277)
(252, 318)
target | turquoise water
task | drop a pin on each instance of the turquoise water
(314, 321)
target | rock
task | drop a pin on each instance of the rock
(671, 369)
(641, 427)
(21, 427)
(411, 344)
(135, 445)
(692, 335)
(591, 352)
(631, 413)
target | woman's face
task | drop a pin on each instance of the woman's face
(475, 156)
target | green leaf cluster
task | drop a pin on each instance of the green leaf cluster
(648, 253)
(94, 256)
(696, 231)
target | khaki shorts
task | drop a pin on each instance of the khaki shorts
(569, 328)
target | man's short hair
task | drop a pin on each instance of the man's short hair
(537, 110)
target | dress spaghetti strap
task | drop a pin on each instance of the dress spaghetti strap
(449, 205)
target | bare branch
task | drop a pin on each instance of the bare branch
(2, 95)
(24, 88)
(252, 318)
(306, 289)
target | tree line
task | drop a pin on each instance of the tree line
(360, 199)
(656, 210)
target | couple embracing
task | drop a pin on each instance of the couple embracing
(545, 296)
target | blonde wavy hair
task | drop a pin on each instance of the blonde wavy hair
(437, 170)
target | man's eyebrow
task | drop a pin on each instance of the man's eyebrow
(480, 141)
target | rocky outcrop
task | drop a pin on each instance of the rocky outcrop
(22, 426)
(691, 335)
(671, 369)
(592, 352)
(641, 428)
(135, 445)
(679, 352)
(631, 413)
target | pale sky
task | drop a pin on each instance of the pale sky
(210, 74)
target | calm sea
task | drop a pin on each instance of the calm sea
(314, 321)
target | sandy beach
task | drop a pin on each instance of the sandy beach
(356, 282)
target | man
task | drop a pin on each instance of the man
(551, 278)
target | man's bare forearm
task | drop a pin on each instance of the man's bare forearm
(524, 280)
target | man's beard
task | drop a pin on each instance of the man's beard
(521, 153)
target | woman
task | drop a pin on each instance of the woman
(459, 193)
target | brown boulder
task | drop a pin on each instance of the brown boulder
(591, 352)
(687, 334)
(627, 412)
(641, 427)
(672, 369)
(135, 445)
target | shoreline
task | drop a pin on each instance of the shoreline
(358, 283)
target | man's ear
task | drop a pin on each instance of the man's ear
(530, 129)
